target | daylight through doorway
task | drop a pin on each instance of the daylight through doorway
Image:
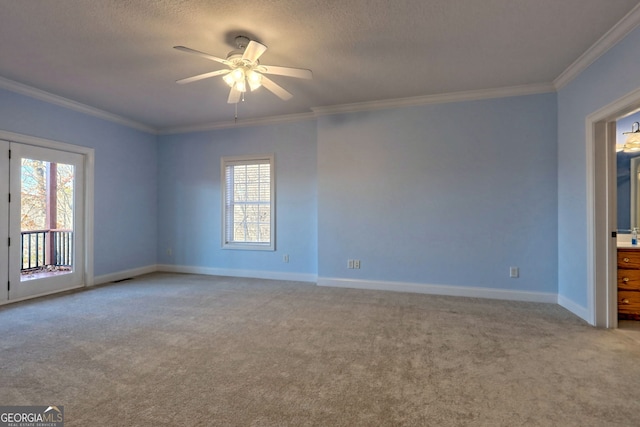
(46, 218)
(46, 221)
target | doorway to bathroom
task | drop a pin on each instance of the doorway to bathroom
(602, 209)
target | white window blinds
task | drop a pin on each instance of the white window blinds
(248, 208)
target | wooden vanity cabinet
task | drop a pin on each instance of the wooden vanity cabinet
(629, 284)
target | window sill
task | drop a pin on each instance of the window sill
(249, 246)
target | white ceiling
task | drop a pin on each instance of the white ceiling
(117, 55)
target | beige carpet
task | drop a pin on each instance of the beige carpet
(188, 350)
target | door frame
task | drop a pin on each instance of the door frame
(4, 220)
(602, 281)
(89, 166)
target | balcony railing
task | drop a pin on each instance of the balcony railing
(46, 248)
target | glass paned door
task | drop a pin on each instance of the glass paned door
(46, 221)
(4, 220)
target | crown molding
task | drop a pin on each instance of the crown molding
(471, 95)
(619, 31)
(51, 98)
(228, 124)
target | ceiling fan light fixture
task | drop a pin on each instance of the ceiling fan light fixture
(228, 79)
(255, 79)
(241, 86)
(238, 74)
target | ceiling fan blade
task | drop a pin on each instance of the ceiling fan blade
(234, 96)
(253, 51)
(278, 90)
(202, 76)
(300, 73)
(201, 54)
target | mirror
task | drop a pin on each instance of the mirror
(634, 185)
(628, 169)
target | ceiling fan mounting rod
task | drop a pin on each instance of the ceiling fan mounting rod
(242, 42)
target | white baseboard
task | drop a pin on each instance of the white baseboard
(125, 274)
(420, 288)
(575, 308)
(57, 291)
(211, 271)
(458, 291)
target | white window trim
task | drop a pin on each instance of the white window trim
(224, 162)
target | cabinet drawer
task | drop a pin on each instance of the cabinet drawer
(628, 280)
(629, 259)
(628, 302)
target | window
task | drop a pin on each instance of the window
(248, 214)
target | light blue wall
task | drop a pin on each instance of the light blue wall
(449, 194)
(125, 176)
(612, 76)
(190, 200)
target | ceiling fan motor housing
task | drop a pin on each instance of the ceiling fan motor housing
(235, 56)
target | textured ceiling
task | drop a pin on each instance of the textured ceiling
(117, 55)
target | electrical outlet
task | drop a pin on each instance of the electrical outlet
(350, 263)
(356, 263)
(514, 272)
(285, 258)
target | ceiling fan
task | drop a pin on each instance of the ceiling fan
(245, 69)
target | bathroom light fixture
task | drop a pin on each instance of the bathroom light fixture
(632, 144)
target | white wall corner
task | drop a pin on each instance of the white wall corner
(573, 307)
(125, 274)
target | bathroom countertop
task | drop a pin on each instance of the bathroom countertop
(627, 245)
